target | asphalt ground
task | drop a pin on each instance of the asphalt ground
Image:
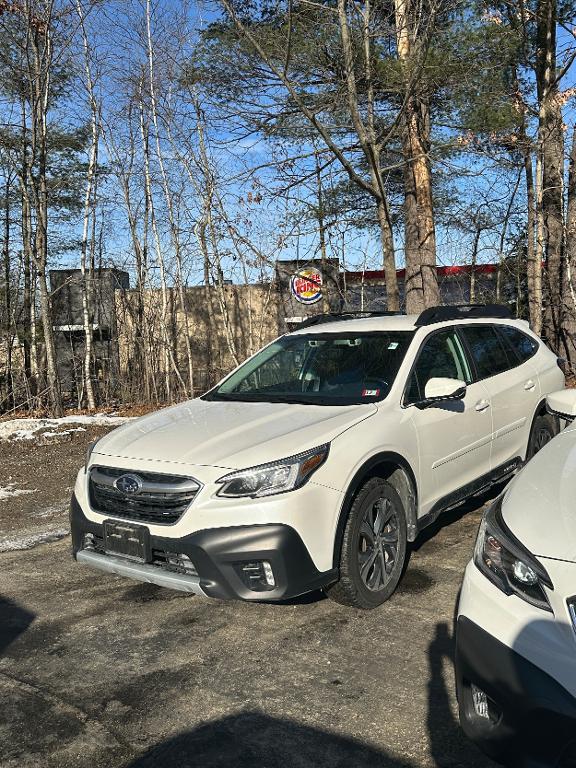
(100, 671)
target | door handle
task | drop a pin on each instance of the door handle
(529, 386)
(481, 405)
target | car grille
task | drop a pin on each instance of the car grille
(160, 499)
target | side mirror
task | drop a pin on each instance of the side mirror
(438, 389)
(562, 403)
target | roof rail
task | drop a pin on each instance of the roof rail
(463, 312)
(332, 317)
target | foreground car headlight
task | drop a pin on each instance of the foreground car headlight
(507, 563)
(276, 477)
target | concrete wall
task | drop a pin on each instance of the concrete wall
(137, 339)
(254, 318)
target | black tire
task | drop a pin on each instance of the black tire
(374, 546)
(544, 428)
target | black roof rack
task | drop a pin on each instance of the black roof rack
(332, 317)
(463, 312)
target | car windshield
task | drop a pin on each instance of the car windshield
(319, 369)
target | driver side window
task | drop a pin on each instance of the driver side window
(441, 356)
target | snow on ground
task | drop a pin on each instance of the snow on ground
(65, 432)
(53, 510)
(30, 540)
(10, 491)
(28, 429)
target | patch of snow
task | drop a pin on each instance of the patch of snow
(65, 432)
(30, 540)
(10, 491)
(61, 508)
(27, 429)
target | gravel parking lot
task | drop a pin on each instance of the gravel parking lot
(100, 671)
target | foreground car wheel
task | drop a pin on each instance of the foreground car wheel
(373, 547)
(544, 428)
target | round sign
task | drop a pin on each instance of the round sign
(306, 286)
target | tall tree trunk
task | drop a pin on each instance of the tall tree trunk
(569, 325)
(26, 233)
(9, 398)
(320, 218)
(551, 149)
(39, 37)
(168, 353)
(534, 266)
(421, 286)
(86, 266)
(174, 234)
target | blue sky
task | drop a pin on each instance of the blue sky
(116, 35)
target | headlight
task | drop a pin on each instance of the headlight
(276, 477)
(507, 563)
(89, 452)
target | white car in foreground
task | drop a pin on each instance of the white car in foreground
(317, 461)
(516, 625)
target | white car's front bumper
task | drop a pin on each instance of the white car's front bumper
(218, 547)
(524, 660)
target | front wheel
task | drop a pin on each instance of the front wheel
(373, 547)
(544, 428)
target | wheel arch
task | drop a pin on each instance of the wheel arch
(397, 471)
(540, 410)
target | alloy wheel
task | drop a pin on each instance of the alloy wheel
(378, 544)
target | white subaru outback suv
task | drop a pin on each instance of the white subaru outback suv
(516, 626)
(317, 461)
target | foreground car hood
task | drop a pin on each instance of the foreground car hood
(540, 504)
(230, 435)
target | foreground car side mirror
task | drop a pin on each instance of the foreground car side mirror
(562, 403)
(438, 389)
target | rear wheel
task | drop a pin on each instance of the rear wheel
(373, 547)
(544, 428)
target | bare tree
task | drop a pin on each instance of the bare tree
(551, 152)
(39, 58)
(421, 285)
(87, 264)
(364, 128)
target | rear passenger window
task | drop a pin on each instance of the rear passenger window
(487, 350)
(524, 346)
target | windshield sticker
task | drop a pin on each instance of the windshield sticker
(393, 345)
(370, 392)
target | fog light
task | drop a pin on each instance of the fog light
(257, 575)
(268, 574)
(88, 541)
(480, 701)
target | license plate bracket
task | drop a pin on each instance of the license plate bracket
(127, 540)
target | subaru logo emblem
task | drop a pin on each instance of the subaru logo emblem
(129, 484)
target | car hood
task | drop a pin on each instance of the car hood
(540, 503)
(232, 435)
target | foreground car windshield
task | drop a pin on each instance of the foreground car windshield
(319, 369)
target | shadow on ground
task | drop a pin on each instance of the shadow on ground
(14, 621)
(257, 740)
